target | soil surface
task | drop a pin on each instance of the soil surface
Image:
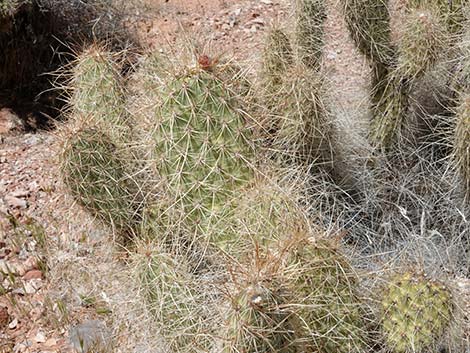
(42, 231)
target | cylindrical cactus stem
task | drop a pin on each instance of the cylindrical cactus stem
(453, 13)
(202, 144)
(310, 32)
(461, 144)
(390, 113)
(179, 301)
(415, 312)
(257, 319)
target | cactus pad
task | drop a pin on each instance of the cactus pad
(202, 146)
(331, 315)
(96, 176)
(422, 41)
(415, 312)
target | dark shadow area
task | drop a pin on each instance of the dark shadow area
(38, 37)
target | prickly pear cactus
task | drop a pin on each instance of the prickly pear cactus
(202, 143)
(310, 18)
(96, 176)
(331, 317)
(98, 93)
(416, 311)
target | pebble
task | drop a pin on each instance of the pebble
(15, 202)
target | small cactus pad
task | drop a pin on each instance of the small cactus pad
(331, 317)
(177, 300)
(368, 22)
(257, 320)
(415, 312)
(202, 143)
(98, 93)
(277, 58)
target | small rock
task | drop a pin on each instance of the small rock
(33, 286)
(20, 193)
(9, 121)
(40, 337)
(13, 324)
(92, 334)
(32, 274)
(15, 202)
(267, 2)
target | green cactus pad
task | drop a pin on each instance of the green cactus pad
(260, 216)
(96, 176)
(98, 93)
(415, 312)
(177, 300)
(257, 318)
(202, 143)
(277, 58)
(331, 317)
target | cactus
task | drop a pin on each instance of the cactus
(452, 12)
(331, 317)
(305, 130)
(368, 22)
(201, 143)
(260, 216)
(310, 18)
(416, 311)
(277, 59)
(98, 93)
(96, 176)
(461, 142)
(177, 299)
(391, 114)
(422, 41)
(256, 320)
